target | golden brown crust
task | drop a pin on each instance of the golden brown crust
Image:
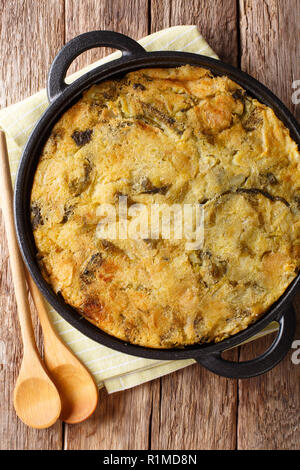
(170, 136)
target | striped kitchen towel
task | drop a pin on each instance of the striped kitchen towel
(114, 370)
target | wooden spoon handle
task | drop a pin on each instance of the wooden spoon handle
(16, 262)
(39, 303)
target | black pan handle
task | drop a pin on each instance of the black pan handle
(80, 44)
(269, 359)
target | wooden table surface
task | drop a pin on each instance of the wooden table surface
(193, 408)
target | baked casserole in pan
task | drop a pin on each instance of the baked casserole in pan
(169, 136)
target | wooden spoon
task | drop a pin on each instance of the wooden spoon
(77, 388)
(36, 399)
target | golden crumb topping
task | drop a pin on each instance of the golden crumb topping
(169, 136)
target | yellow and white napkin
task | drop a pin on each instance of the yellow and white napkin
(114, 370)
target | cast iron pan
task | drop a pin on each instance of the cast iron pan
(61, 97)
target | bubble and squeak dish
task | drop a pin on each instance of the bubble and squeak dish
(169, 136)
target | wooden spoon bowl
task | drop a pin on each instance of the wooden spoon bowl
(36, 401)
(76, 392)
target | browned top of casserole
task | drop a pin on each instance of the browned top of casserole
(169, 136)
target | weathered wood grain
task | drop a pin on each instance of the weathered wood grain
(216, 21)
(268, 412)
(270, 35)
(121, 421)
(31, 33)
(269, 406)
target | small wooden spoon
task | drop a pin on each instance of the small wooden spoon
(78, 390)
(36, 399)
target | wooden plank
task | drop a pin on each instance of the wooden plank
(216, 21)
(122, 419)
(197, 409)
(269, 406)
(268, 413)
(31, 33)
(270, 36)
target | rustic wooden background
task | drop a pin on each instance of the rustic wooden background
(190, 409)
